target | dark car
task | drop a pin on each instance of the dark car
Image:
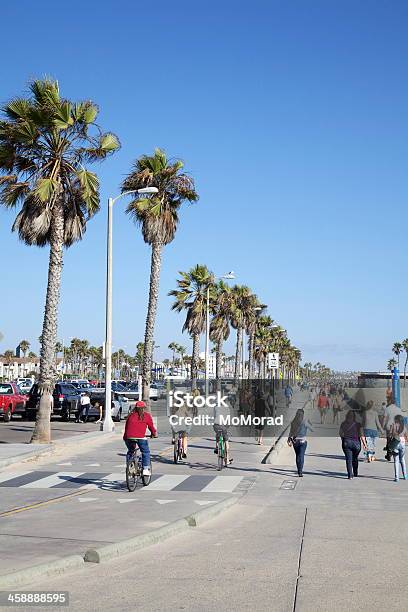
(66, 398)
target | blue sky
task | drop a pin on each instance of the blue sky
(292, 118)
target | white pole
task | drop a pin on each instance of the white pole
(108, 425)
(207, 340)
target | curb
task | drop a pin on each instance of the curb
(33, 454)
(110, 551)
(276, 448)
(52, 568)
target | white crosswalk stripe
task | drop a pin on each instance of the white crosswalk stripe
(222, 484)
(10, 475)
(115, 478)
(166, 483)
(51, 481)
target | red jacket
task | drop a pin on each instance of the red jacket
(136, 428)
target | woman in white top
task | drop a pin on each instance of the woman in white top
(372, 427)
(396, 445)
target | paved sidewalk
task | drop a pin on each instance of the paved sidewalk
(63, 507)
(311, 545)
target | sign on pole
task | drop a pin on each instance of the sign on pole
(273, 361)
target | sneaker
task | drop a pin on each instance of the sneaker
(215, 451)
(146, 471)
(184, 455)
(396, 479)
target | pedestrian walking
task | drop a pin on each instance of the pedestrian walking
(352, 438)
(337, 405)
(396, 445)
(297, 438)
(390, 412)
(83, 408)
(322, 405)
(260, 413)
(372, 427)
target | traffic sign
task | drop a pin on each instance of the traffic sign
(273, 361)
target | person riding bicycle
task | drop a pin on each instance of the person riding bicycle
(136, 426)
(179, 426)
(220, 427)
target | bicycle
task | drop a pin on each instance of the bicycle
(134, 471)
(222, 454)
(178, 448)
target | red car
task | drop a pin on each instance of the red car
(12, 401)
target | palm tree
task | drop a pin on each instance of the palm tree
(243, 302)
(45, 142)
(182, 351)
(405, 347)
(220, 323)
(258, 308)
(191, 295)
(173, 347)
(396, 349)
(9, 357)
(391, 364)
(24, 346)
(32, 355)
(158, 217)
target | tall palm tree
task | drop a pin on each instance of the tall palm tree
(173, 348)
(396, 349)
(252, 322)
(405, 347)
(158, 217)
(220, 323)
(191, 295)
(24, 346)
(182, 351)
(45, 142)
(242, 309)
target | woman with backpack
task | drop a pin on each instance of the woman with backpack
(396, 446)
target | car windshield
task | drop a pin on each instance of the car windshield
(6, 389)
(68, 389)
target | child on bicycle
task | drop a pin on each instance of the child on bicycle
(136, 426)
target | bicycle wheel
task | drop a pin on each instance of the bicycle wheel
(146, 479)
(131, 475)
(221, 454)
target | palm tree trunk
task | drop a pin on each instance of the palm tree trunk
(195, 358)
(238, 355)
(251, 355)
(151, 319)
(405, 368)
(42, 428)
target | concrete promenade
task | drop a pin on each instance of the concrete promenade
(320, 543)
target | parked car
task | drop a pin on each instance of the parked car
(120, 406)
(66, 398)
(132, 392)
(25, 386)
(12, 401)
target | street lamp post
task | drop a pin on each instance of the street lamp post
(108, 425)
(228, 276)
